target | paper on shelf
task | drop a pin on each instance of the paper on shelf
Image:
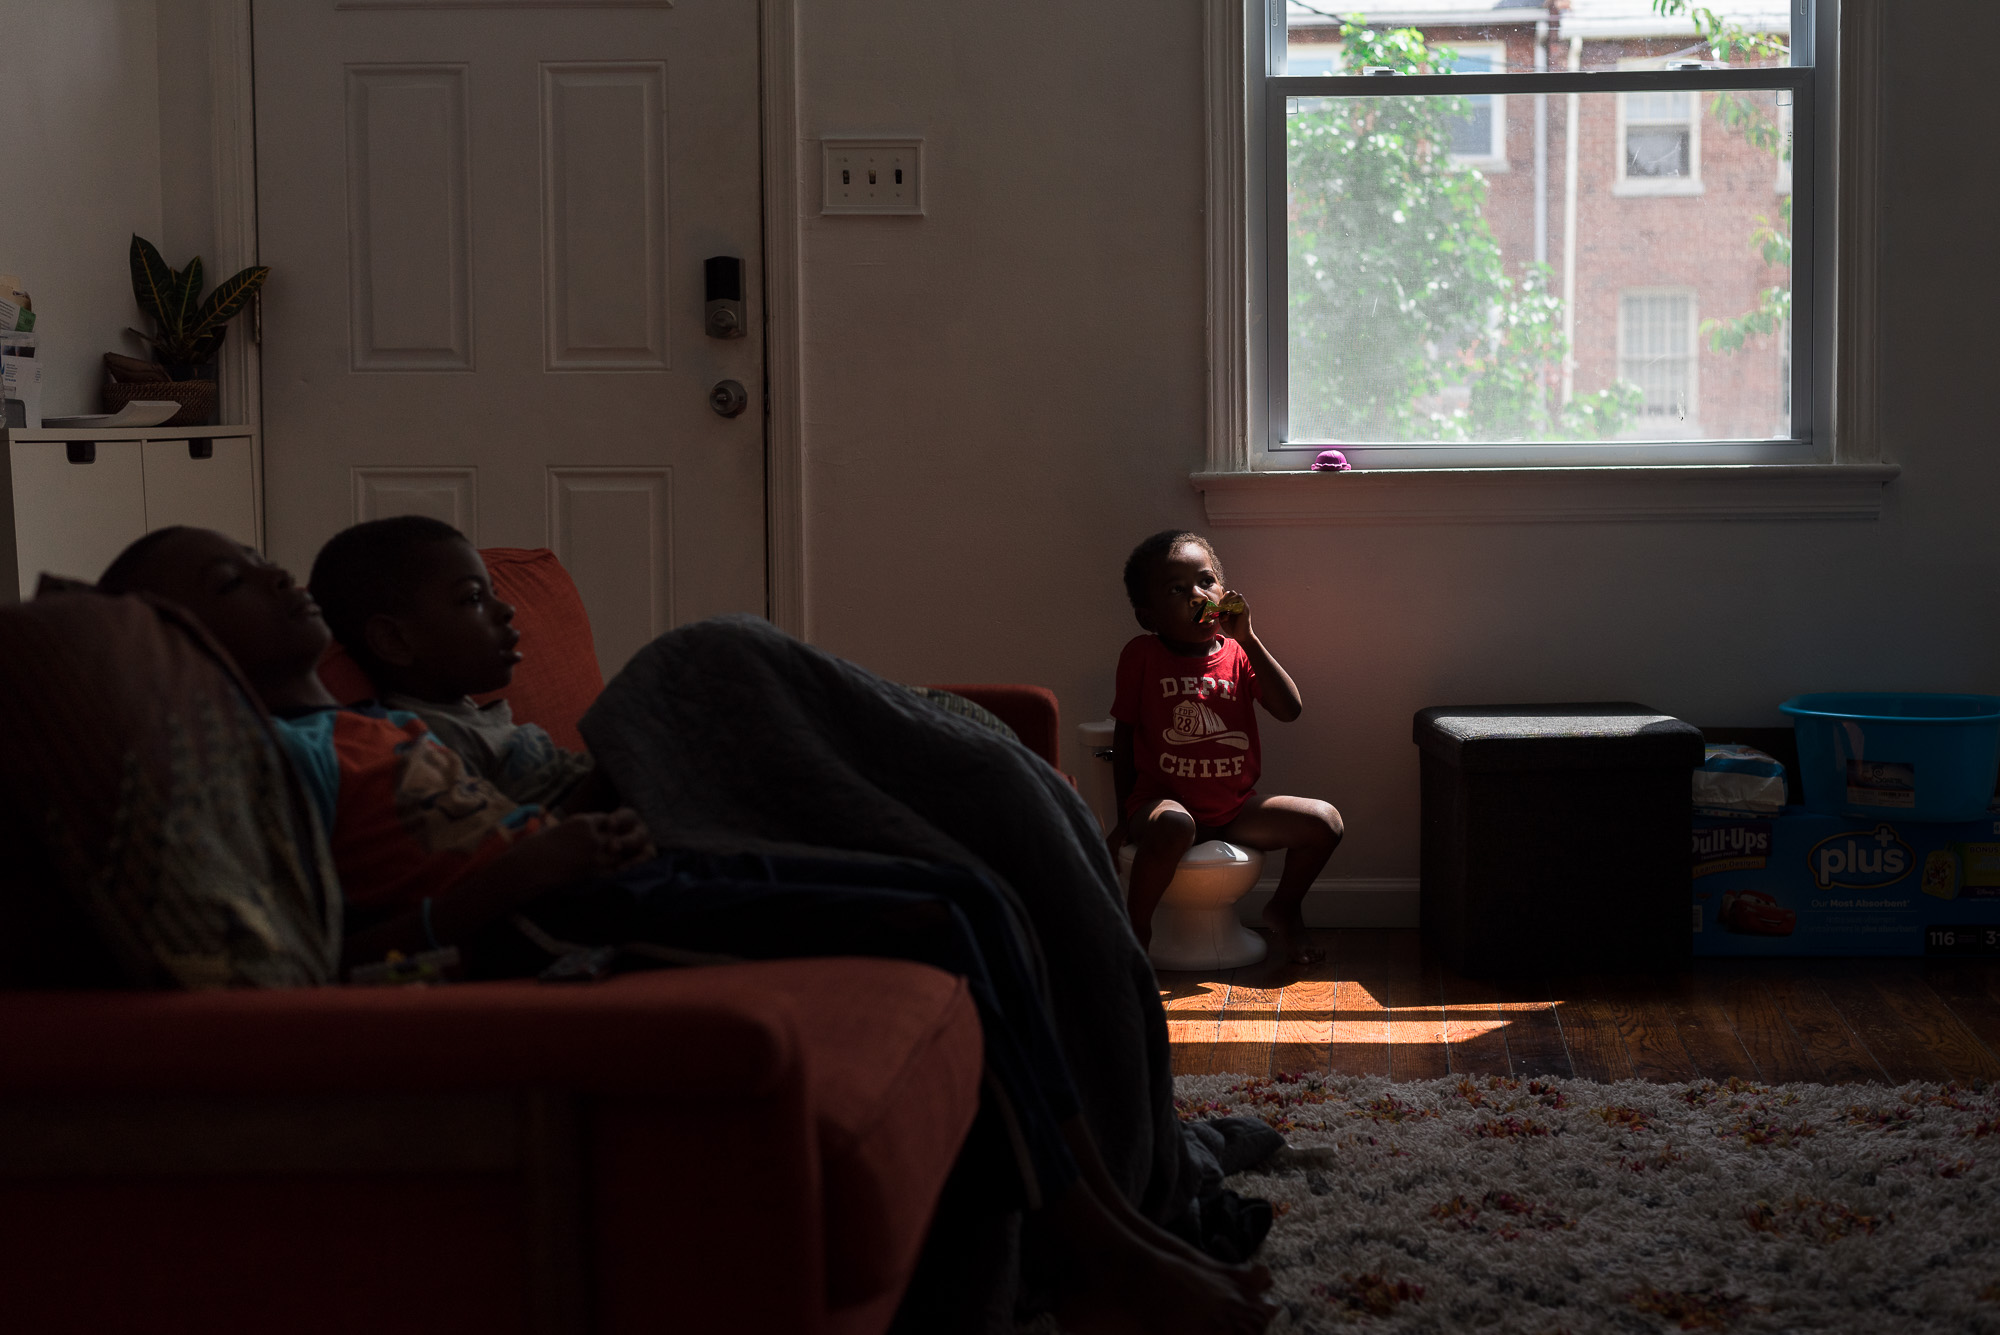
(21, 380)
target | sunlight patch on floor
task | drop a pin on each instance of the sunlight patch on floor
(1325, 1012)
(1391, 1031)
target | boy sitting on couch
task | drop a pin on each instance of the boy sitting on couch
(426, 852)
(410, 601)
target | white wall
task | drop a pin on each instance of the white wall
(187, 176)
(79, 174)
(1005, 395)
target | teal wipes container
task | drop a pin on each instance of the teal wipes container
(1909, 756)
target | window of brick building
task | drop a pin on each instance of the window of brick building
(1316, 56)
(1658, 352)
(1479, 138)
(1614, 295)
(1659, 142)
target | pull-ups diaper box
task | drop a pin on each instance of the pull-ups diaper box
(1800, 883)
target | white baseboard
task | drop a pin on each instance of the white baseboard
(1346, 901)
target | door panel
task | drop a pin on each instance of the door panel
(486, 228)
(605, 187)
(607, 523)
(409, 237)
(447, 494)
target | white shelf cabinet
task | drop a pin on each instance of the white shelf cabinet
(76, 498)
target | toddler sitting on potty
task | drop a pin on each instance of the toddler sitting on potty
(1185, 755)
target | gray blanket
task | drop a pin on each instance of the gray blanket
(729, 735)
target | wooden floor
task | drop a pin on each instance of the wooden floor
(1380, 1005)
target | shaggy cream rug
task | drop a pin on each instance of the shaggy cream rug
(1545, 1206)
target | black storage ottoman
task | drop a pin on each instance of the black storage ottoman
(1556, 837)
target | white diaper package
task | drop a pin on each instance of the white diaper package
(1738, 778)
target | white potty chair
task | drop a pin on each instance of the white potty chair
(1195, 926)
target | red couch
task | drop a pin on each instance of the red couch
(746, 1148)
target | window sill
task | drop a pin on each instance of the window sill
(1662, 494)
(1629, 189)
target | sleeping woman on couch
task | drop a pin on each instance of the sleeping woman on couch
(833, 840)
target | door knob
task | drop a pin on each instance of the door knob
(728, 398)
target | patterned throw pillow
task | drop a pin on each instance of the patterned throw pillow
(964, 708)
(143, 796)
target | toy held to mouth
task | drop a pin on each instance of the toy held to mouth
(1211, 610)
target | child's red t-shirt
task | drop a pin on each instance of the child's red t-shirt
(1194, 726)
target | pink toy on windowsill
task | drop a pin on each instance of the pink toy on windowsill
(1331, 461)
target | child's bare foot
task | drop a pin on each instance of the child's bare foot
(1290, 929)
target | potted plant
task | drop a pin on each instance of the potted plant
(187, 330)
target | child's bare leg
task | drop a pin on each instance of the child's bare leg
(1161, 836)
(1308, 830)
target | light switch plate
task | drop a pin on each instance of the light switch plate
(871, 175)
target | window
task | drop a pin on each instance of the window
(1657, 352)
(1637, 305)
(1479, 138)
(1659, 142)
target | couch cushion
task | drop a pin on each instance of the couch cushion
(558, 678)
(725, 1028)
(891, 1055)
(1031, 711)
(146, 794)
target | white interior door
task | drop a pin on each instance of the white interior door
(487, 227)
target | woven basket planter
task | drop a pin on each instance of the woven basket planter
(196, 398)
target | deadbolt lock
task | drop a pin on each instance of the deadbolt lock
(724, 321)
(728, 398)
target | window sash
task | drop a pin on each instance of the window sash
(1644, 108)
(1804, 445)
(1553, 81)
